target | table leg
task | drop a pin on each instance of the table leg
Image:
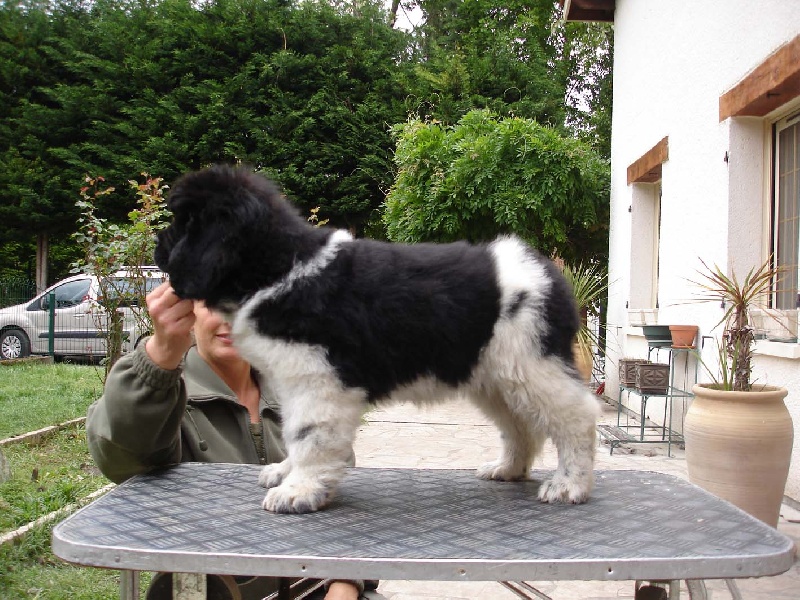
(524, 590)
(734, 589)
(642, 417)
(295, 588)
(129, 585)
(697, 589)
(189, 586)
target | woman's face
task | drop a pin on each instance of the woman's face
(213, 335)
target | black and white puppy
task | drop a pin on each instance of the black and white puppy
(338, 324)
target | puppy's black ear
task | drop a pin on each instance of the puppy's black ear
(199, 256)
(164, 243)
(216, 213)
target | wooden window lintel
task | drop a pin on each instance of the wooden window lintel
(647, 169)
(771, 84)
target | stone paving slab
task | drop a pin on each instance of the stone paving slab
(455, 435)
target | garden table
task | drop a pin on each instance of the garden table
(412, 524)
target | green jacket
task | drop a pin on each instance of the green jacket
(149, 417)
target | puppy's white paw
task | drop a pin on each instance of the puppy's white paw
(564, 489)
(500, 471)
(301, 497)
(272, 475)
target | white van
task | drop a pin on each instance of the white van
(80, 323)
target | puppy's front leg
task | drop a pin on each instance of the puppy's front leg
(319, 427)
(272, 475)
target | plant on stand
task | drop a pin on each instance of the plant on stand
(739, 433)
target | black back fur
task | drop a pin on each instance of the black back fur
(386, 314)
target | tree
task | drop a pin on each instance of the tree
(587, 58)
(486, 176)
(334, 92)
(517, 59)
(481, 54)
(305, 91)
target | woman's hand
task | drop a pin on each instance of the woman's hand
(342, 590)
(173, 320)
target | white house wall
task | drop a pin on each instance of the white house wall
(673, 61)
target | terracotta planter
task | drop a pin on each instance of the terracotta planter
(739, 445)
(683, 336)
(583, 362)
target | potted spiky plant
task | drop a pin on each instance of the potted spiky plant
(738, 432)
(589, 285)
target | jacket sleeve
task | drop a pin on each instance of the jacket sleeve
(135, 425)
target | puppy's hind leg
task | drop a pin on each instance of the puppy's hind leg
(519, 443)
(571, 424)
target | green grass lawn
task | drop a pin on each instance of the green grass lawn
(45, 477)
(29, 570)
(35, 395)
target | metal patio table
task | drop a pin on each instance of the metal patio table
(431, 524)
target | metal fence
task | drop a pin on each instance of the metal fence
(14, 290)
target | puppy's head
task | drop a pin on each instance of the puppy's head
(219, 216)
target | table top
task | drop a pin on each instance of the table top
(422, 524)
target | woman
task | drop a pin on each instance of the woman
(187, 395)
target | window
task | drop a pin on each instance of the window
(128, 289)
(645, 252)
(644, 177)
(66, 295)
(786, 211)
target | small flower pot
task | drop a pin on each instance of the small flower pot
(683, 336)
(652, 378)
(627, 371)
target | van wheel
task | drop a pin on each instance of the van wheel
(14, 344)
